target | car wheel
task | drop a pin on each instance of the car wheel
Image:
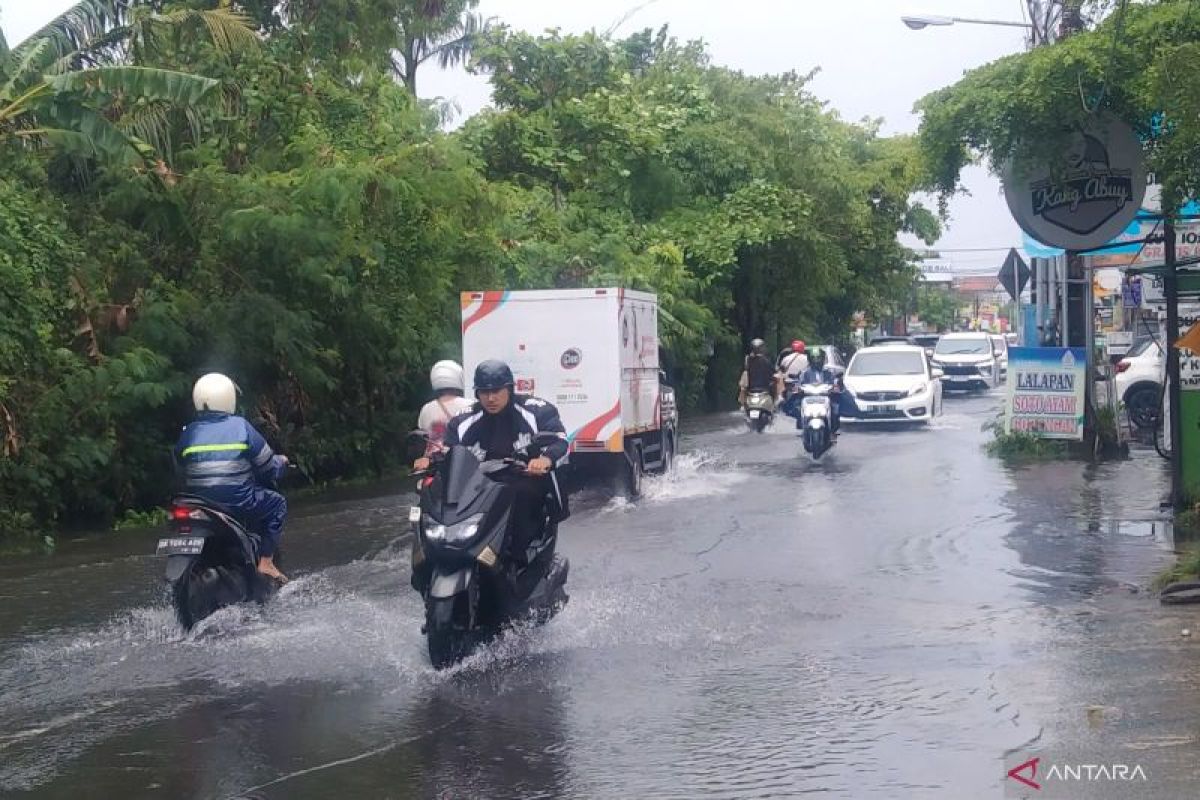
(1142, 406)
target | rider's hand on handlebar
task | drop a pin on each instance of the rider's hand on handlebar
(539, 466)
(421, 464)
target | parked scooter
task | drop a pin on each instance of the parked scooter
(472, 584)
(212, 560)
(759, 411)
(816, 418)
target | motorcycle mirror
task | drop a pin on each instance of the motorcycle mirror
(415, 444)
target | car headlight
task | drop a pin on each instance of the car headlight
(458, 533)
(918, 388)
(985, 367)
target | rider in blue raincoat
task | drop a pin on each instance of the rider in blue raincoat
(226, 461)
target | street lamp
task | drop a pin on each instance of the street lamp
(916, 23)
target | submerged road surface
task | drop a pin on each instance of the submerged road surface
(907, 618)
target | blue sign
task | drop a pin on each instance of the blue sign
(1131, 293)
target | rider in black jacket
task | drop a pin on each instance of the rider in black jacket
(504, 423)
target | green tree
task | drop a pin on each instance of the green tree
(1139, 63)
(445, 30)
(75, 84)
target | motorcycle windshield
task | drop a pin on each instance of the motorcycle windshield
(461, 487)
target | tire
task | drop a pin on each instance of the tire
(448, 647)
(668, 451)
(205, 590)
(1141, 403)
(630, 478)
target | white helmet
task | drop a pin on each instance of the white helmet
(215, 392)
(447, 375)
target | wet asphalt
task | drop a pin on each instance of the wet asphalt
(906, 618)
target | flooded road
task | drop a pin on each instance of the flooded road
(899, 620)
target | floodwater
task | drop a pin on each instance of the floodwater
(902, 619)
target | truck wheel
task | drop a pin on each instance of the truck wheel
(629, 481)
(668, 451)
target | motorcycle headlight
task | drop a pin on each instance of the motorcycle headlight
(458, 533)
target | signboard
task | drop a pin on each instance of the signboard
(1131, 292)
(1014, 274)
(1046, 392)
(1118, 342)
(1089, 196)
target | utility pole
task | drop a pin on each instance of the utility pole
(1171, 295)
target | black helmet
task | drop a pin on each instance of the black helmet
(758, 347)
(493, 374)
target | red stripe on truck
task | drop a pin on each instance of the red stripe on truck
(590, 431)
(491, 302)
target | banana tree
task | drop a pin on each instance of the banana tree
(80, 84)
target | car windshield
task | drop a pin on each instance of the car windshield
(898, 363)
(1140, 348)
(958, 347)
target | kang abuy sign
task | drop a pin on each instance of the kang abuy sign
(1046, 392)
(1085, 197)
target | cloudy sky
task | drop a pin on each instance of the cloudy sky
(871, 65)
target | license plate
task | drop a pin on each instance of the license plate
(755, 414)
(414, 513)
(184, 546)
(959, 378)
(885, 409)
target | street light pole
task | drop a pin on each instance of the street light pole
(916, 23)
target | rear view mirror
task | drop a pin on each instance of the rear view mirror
(415, 444)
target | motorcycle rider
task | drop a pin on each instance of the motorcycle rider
(816, 374)
(446, 378)
(758, 374)
(500, 425)
(224, 460)
(795, 362)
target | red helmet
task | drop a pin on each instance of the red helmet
(797, 346)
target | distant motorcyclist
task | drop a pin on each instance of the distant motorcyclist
(793, 364)
(446, 378)
(224, 460)
(817, 374)
(758, 374)
(501, 425)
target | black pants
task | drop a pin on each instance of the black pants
(528, 514)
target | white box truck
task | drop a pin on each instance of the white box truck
(594, 354)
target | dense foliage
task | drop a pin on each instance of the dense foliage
(264, 198)
(1135, 62)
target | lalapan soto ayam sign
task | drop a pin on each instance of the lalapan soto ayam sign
(1045, 392)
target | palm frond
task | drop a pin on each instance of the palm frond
(83, 133)
(151, 123)
(82, 23)
(466, 35)
(230, 31)
(3, 47)
(152, 85)
(24, 70)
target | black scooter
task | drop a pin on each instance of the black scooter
(212, 560)
(472, 584)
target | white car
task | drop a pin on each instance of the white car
(893, 383)
(1140, 377)
(968, 361)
